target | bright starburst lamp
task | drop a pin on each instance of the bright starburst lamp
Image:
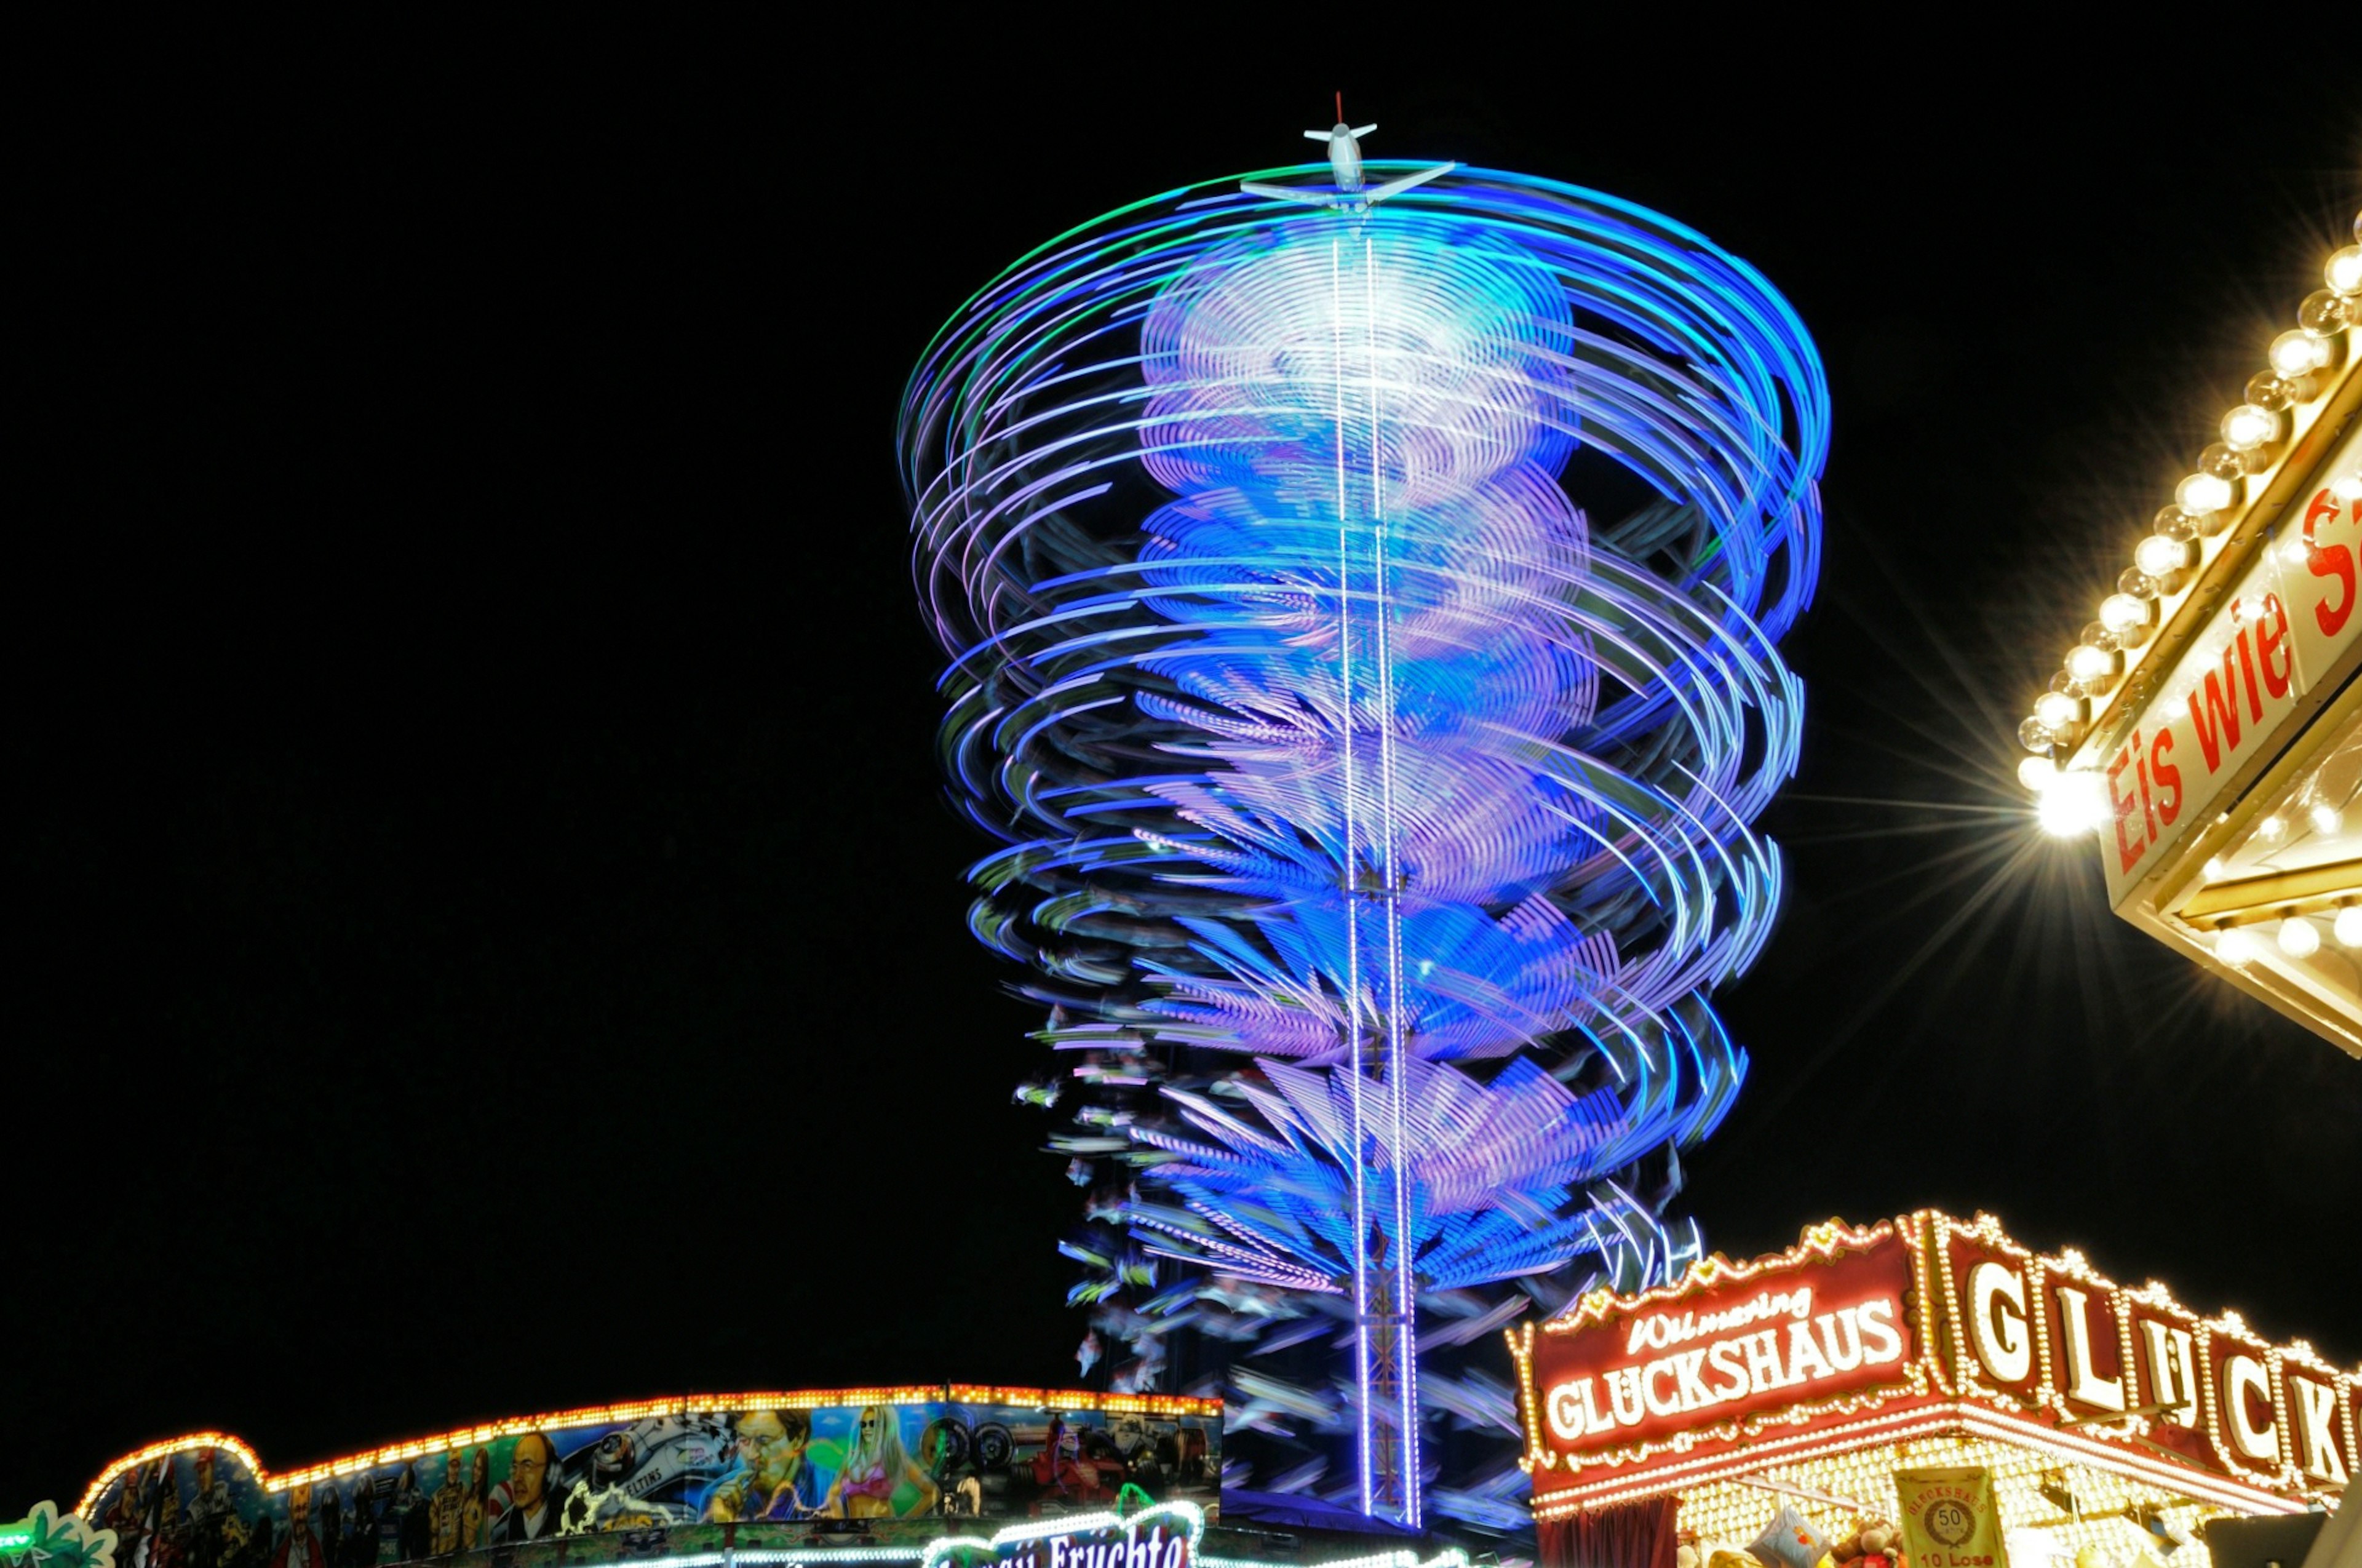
(1375, 816)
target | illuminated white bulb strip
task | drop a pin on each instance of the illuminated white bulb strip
(1920, 1420)
(1727, 1512)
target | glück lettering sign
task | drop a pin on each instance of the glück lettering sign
(1923, 1323)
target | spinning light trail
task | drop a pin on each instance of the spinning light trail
(1376, 820)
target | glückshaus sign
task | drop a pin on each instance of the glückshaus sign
(1914, 1326)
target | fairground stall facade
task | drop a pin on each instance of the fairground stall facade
(2106, 1418)
(885, 1472)
(930, 1476)
(2207, 723)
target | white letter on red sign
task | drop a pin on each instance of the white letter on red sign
(1997, 1321)
(2242, 1374)
(2172, 1372)
(2084, 1384)
(2316, 1414)
(1882, 1342)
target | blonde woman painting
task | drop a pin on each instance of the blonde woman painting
(471, 1510)
(875, 1468)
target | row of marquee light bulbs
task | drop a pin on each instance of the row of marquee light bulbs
(2182, 537)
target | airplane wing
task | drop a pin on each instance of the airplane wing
(1316, 136)
(1358, 131)
(1396, 187)
(1310, 195)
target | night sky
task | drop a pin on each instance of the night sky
(487, 931)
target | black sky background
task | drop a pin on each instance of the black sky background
(486, 932)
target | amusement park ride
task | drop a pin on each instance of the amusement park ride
(1362, 604)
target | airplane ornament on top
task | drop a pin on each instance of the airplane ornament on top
(1351, 193)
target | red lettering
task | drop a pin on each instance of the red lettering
(2271, 638)
(2247, 671)
(2168, 778)
(2328, 560)
(2140, 771)
(2124, 806)
(2224, 735)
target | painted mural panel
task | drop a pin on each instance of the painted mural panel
(204, 1508)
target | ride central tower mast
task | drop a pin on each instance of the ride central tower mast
(1386, 1364)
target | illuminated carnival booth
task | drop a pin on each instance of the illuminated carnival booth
(934, 1477)
(2108, 1421)
(2207, 724)
(886, 1471)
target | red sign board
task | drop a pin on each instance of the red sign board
(1770, 1337)
(1922, 1325)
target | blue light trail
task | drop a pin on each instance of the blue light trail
(1376, 818)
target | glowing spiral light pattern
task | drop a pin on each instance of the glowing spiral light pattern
(1338, 755)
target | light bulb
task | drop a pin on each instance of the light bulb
(2091, 665)
(2297, 938)
(2344, 272)
(2221, 462)
(2074, 804)
(2347, 488)
(2214, 869)
(2121, 613)
(2160, 556)
(2347, 927)
(2036, 773)
(2271, 829)
(2247, 428)
(2271, 390)
(2034, 735)
(2326, 315)
(2203, 493)
(2237, 947)
(2057, 711)
(2325, 819)
(2295, 354)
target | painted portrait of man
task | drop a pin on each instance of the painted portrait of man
(300, 1548)
(442, 1510)
(534, 1504)
(772, 1480)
